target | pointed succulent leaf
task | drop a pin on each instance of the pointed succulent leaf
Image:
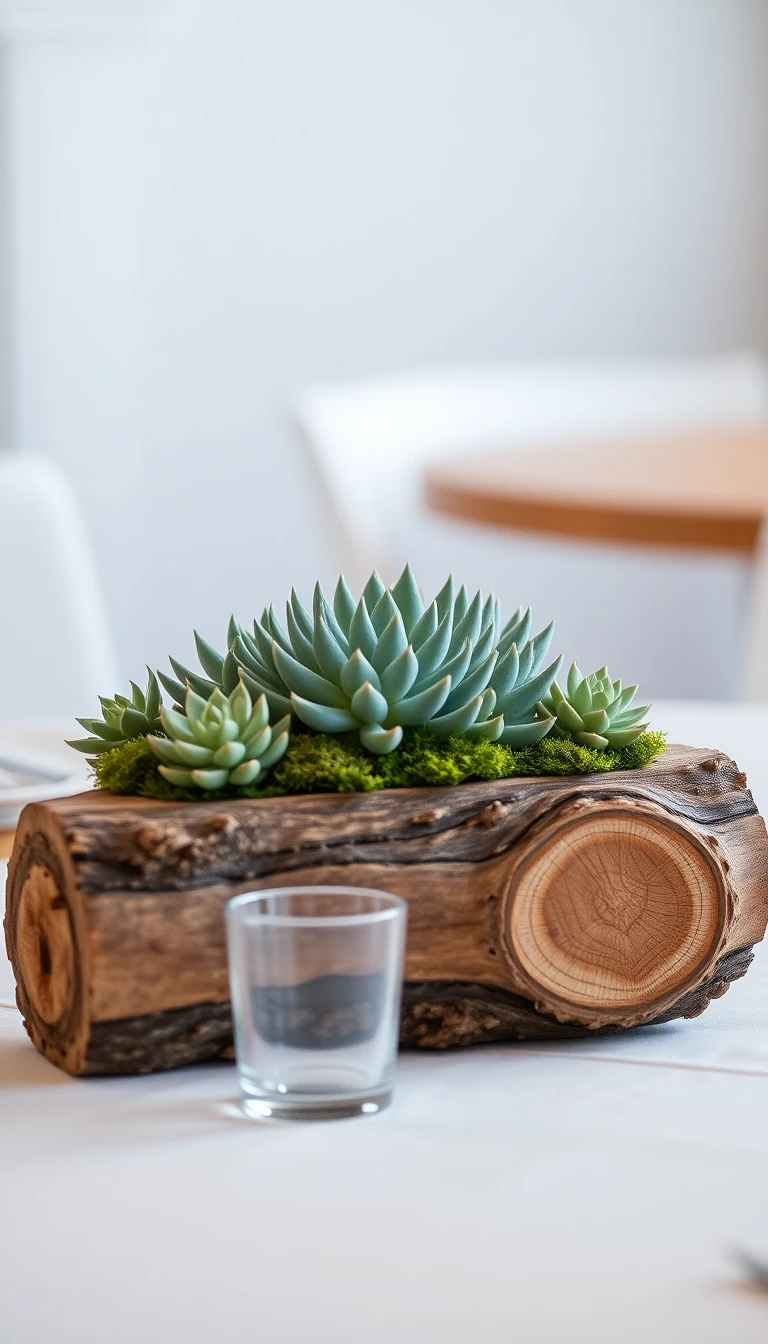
(517, 705)
(408, 598)
(323, 718)
(92, 746)
(356, 671)
(107, 731)
(420, 708)
(373, 591)
(425, 627)
(134, 723)
(459, 721)
(301, 647)
(382, 613)
(173, 687)
(229, 755)
(245, 773)
(392, 641)
(275, 751)
(301, 615)
(380, 740)
(176, 774)
(435, 649)
(330, 657)
(574, 677)
(524, 734)
(368, 705)
(343, 604)
(305, 683)
(362, 634)
(473, 684)
(398, 678)
(211, 662)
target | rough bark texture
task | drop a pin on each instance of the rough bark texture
(538, 908)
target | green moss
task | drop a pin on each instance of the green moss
(318, 763)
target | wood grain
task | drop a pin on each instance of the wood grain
(544, 906)
(705, 490)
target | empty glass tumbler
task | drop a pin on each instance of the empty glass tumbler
(316, 976)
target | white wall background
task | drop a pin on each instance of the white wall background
(232, 197)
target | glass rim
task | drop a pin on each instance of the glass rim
(238, 904)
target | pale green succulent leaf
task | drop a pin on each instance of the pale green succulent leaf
(392, 641)
(134, 723)
(445, 599)
(330, 657)
(490, 729)
(257, 743)
(246, 773)
(278, 703)
(505, 673)
(305, 683)
(373, 590)
(107, 731)
(165, 749)
(276, 750)
(524, 734)
(300, 615)
(229, 755)
(211, 662)
(192, 753)
(240, 704)
(574, 677)
(230, 674)
(343, 604)
(622, 737)
(569, 717)
(468, 627)
(474, 683)
(383, 612)
(425, 627)
(380, 740)
(362, 634)
(137, 697)
(176, 725)
(210, 778)
(399, 677)
(434, 650)
(369, 705)
(408, 599)
(92, 746)
(596, 721)
(173, 687)
(582, 698)
(301, 647)
(458, 721)
(421, 707)
(518, 704)
(356, 671)
(323, 718)
(176, 775)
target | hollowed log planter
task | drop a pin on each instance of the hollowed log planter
(537, 907)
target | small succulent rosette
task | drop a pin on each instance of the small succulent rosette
(221, 741)
(122, 719)
(595, 711)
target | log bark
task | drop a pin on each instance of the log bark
(538, 908)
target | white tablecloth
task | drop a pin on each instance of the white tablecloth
(585, 1191)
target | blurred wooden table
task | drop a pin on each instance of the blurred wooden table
(699, 489)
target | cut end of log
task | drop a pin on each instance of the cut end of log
(44, 938)
(612, 912)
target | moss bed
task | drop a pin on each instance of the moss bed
(318, 763)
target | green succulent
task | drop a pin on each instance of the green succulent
(389, 662)
(219, 740)
(595, 711)
(122, 719)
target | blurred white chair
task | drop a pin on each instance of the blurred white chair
(57, 648)
(370, 442)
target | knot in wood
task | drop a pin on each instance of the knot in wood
(219, 825)
(490, 815)
(155, 841)
(711, 764)
(428, 817)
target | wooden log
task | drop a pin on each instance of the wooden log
(538, 907)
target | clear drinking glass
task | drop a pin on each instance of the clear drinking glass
(316, 976)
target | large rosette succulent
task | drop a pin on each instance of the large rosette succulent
(389, 662)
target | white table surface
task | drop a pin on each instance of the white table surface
(549, 1194)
